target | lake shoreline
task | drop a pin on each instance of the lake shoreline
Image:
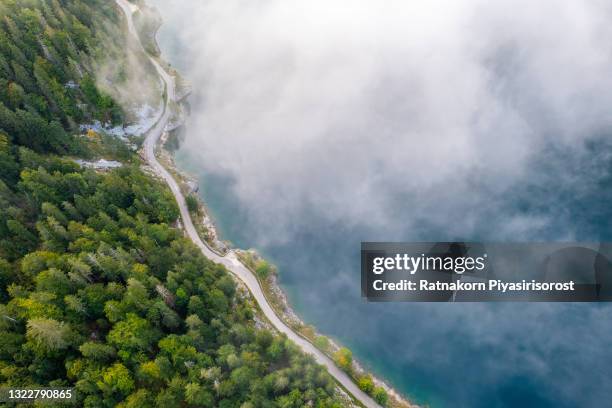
(272, 289)
(207, 230)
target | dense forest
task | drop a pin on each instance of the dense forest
(98, 290)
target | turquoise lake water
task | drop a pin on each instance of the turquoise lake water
(442, 355)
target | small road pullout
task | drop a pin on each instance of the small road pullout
(230, 261)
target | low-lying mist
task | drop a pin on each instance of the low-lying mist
(123, 71)
(319, 124)
(359, 109)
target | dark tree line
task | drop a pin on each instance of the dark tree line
(47, 48)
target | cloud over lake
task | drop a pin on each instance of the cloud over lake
(325, 123)
(359, 109)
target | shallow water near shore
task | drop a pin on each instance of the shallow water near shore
(442, 355)
(476, 355)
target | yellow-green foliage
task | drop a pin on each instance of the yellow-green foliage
(97, 290)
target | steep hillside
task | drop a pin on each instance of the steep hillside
(97, 289)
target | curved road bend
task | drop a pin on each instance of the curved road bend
(230, 261)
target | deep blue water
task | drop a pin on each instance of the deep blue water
(445, 355)
(460, 355)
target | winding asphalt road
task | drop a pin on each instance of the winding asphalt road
(230, 261)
